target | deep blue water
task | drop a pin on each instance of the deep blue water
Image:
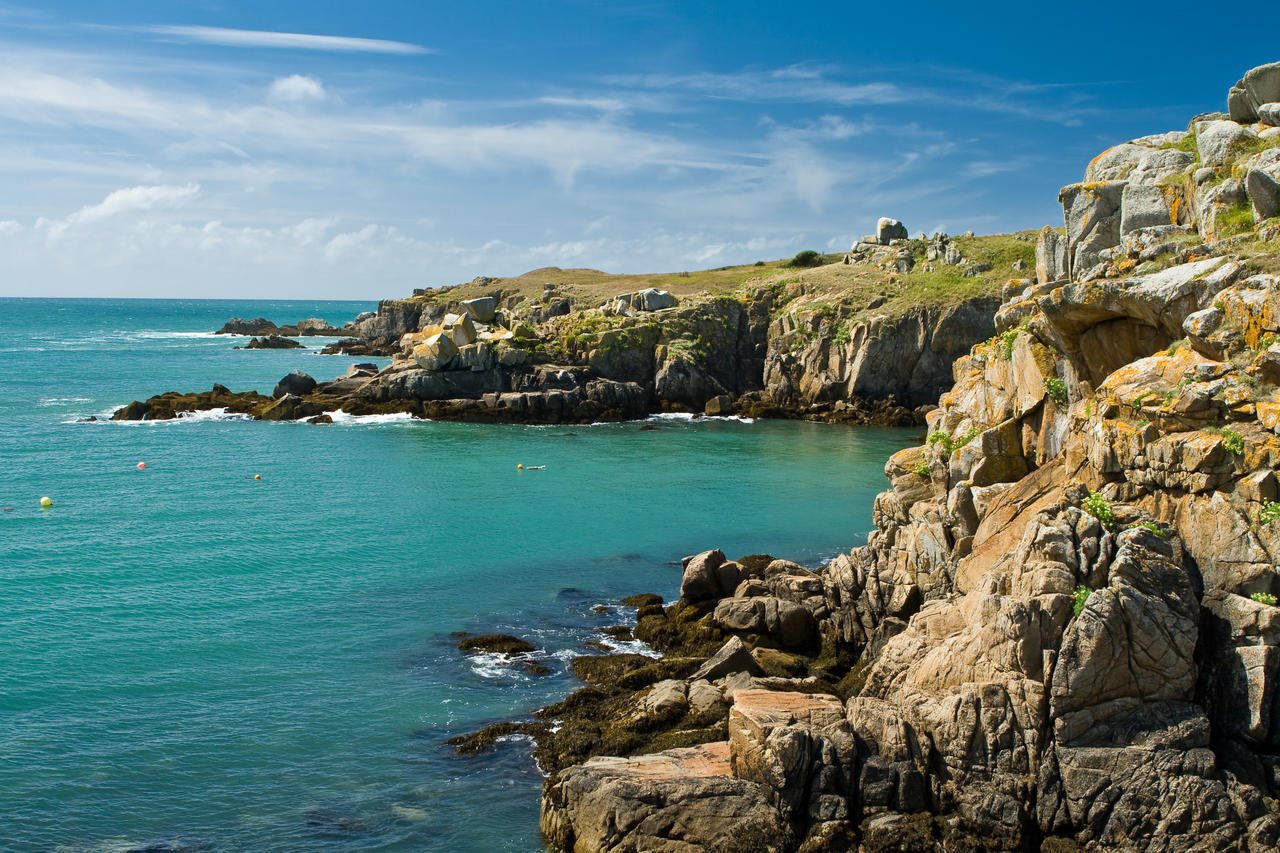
(192, 656)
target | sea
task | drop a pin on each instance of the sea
(251, 642)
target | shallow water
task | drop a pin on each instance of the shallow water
(194, 657)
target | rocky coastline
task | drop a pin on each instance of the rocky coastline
(865, 337)
(1063, 633)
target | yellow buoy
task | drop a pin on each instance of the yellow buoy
(45, 502)
(520, 467)
(257, 476)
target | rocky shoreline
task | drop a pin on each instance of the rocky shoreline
(1063, 633)
(867, 338)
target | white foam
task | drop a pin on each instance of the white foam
(690, 417)
(630, 647)
(63, 401)
(341, 417)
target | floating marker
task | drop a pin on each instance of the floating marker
(257, 476)
(520, 467)
(141, 465)
(45, 502)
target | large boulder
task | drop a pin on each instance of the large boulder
(889, 229)
(481, 309)
(295, 382)
(1146, 206)
(1264, 194)
(436, 352)
(1051, 256)
(1258, 87)
(1092, 215)
(258, 326)
(652, 299)
(1155, 166)
(1269, 114)
(1220, 142)
(459, 329)
(681, 800)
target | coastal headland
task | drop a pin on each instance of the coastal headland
(1062, 634)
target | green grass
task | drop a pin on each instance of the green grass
(1188, 145)
(1235, 220)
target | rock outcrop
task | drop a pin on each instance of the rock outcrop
(1063, 632)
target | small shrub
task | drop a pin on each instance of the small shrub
(1100, 508)
(1007, 340)
(1176, 345)
(1264, 598)
(758, 263)
(1231, 440)
(1270, 512)
(1056, 390)
(807, 258)
(951, 445)
(1079, 596)
(922, 470)
(1153, 527)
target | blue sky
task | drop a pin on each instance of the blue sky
(359, 150)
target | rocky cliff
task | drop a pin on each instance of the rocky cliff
(1063, 633)
(868, 337)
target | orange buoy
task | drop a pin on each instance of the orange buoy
(257, 476)
(520, 467)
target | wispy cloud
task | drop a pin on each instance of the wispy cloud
(123, 201)
(793, 83)
(289, 41)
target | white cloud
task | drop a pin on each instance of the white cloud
(128, 200)
(296, 87)
(294, 41)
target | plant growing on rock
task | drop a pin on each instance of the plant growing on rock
(922, 470)
(1078, 597)
(1270, 512)
(951, 445)
(1100, 508)
(1007, 340)
(1056, 390)
(1153, 527)
(1231, 440)
(1264, 598)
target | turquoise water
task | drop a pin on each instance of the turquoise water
(192, 657)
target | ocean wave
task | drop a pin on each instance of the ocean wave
(495, 665)
(62, 401)
(629, 647)
(688, 417)
(341, 417)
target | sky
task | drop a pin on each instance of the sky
(360, 150)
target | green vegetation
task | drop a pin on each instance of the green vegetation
(1235, 220)
(807, 258)
(1079, 596)
(1270, 512)
(1153, 527)
(1100, 508)
(1264, 598)
(1187, 144)
(951, 445)
(922, 470)
(1231, 440)
(1056, 390)
(1007, 340)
